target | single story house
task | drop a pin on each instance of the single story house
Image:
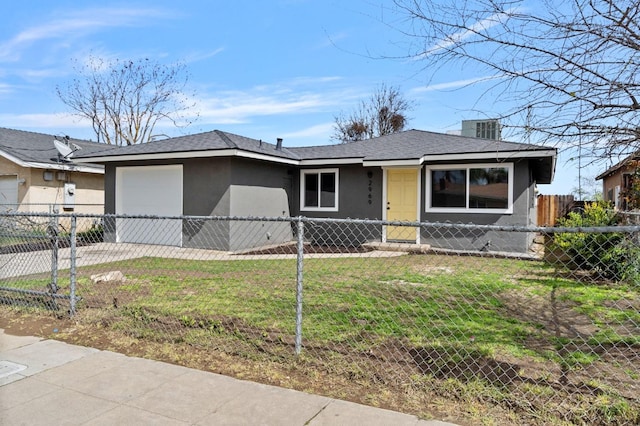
(35, 177)
(617, 179)
(407, 176)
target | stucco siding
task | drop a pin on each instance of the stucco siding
(259, 189)
(612, 182)
(41, 194)
(245, 187)
(523, 199)
(205, 186)
(35, 194)
(9, 168)
(359, 190)
(359, 197)
(258, 201)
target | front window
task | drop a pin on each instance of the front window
(319, 190)
(477, 188)
(449, 188)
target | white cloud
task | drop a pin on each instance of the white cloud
(44, 121)
(452, 84)
(299, 81)
(323, 130)
(223, 107)
(6, 88)
(297, 96)
(38, 74)
(239, 107)
(200, 56)
(454, 39)
(76, 24)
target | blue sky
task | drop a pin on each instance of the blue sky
(262, 69)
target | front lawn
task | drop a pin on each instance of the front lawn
(517, 341)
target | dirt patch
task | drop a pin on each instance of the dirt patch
(308, 249)
(456, 378)
(300, 374)
(464, 386)
(555, 315)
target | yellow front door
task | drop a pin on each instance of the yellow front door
(402, 203)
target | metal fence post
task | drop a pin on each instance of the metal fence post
(299, 276)
(53, 235)
(72, 273)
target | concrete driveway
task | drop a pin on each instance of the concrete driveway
(38, 262)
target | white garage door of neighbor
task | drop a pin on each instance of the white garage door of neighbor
(149, 190)
(8, 193)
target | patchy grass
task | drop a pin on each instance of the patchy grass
(507, 340)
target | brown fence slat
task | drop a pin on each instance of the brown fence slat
(552, 207)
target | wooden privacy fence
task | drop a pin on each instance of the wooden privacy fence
(552, 207)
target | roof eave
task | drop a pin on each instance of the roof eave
(412, 162)
(86, 168)
(330, 161)
(187, 154)
(495, 155)
(398, 162)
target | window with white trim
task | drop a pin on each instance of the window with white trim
(319, 190)
(481, 188)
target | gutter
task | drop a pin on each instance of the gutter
(55, 166)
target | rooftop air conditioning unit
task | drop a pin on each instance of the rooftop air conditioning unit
(483, 129)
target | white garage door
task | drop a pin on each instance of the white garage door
(149, 190)
(8, 193)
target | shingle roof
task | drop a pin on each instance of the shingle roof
(410, 144)
(31, 147)
(633, 157)
(208, 141)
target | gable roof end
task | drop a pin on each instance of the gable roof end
(611, 170)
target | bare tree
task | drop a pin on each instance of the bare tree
(571, 68)
(126, 99)
(587, 188)
(383, 113)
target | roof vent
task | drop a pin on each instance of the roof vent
(279, 144)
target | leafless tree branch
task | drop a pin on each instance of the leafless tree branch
(125, 100)
(383, 113)
(573, 67)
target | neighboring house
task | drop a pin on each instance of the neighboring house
(407, 176)
(617, 179)
(34, 178)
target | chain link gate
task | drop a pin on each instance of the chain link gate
(21, 235)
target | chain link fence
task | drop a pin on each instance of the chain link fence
(461, 326)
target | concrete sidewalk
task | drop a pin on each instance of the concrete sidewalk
(47, 382)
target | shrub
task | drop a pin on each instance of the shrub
(93, 235)
(613, 255)
(622, 262)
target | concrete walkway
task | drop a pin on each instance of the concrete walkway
(47, 382)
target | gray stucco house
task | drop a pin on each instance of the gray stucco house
(407, 176)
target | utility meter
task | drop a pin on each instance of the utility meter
(69, 200)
